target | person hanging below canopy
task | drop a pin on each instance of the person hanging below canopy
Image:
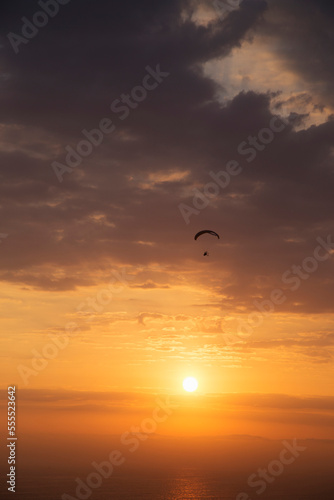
(206, 231)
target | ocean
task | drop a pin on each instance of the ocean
(187, 484)
(172, 469)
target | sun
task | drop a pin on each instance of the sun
(190, 384)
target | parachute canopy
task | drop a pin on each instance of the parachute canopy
(204, 232)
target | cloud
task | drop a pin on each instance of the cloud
(318, 347)
(120, 207)
(307, 410)
(306, 47)
(149, 285)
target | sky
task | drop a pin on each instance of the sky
(126, 127)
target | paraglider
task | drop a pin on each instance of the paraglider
(206, 231)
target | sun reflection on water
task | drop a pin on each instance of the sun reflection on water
(189, 484)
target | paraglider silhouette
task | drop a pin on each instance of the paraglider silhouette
(206, 231)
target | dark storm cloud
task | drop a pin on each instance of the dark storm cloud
(64, 80)
(92, 52)
(120, 205)
(307, 40)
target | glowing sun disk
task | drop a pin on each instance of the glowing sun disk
(190, 384)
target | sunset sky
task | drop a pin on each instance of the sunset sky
(97, 253)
